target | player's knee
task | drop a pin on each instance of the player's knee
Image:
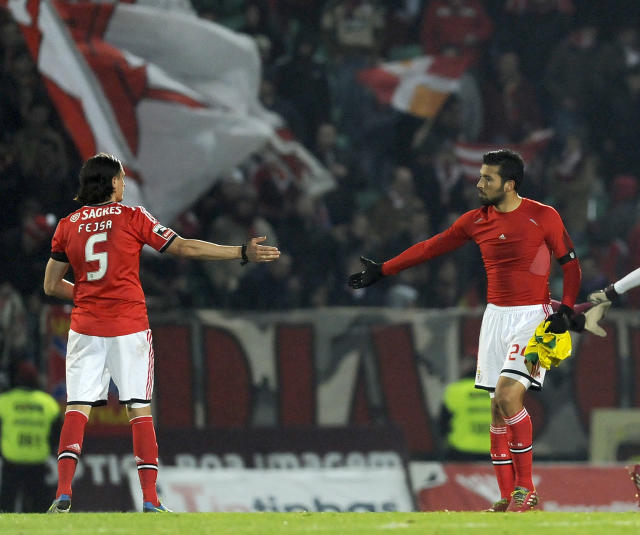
(506, 399)
(135, 410)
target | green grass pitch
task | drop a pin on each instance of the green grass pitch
(538, 523)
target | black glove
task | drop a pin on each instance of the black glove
(589, 320)
(577, 322)
(371, 272)
(560, 320)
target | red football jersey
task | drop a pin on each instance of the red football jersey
(103, 243)
(516, 249)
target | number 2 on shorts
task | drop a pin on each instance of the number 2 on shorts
(515, 349)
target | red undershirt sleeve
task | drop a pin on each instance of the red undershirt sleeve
(572, 276)
(446, 241)
(561, 244)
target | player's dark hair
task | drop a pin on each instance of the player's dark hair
(96, 178)
(510, 164)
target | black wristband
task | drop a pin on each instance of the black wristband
(610, 292)
(245, 258)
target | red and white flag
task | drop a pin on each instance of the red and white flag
(418, 86)
(172, 95)
(469, 155)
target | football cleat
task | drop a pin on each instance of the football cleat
(148, 507)
(62, 504)
(634, 474)
(498, 507)
(522, 500)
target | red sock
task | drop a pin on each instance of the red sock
(501, 459)
(521, 447)
(145, 450)
(69, 449)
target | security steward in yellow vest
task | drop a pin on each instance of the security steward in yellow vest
(466, 417)
(29, 427)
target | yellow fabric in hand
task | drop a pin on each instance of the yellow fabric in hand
(551, 348)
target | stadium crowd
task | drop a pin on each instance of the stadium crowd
(535, 64)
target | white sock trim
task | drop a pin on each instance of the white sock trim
(517, 417)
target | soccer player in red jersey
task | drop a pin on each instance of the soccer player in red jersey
(517, 237)
(109, 336)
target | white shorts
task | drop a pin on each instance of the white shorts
(93, 360)
(504, 335)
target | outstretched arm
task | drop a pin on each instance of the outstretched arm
(204, 250)
(416, 254)
(611, 292)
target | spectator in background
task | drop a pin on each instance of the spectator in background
(273, 101)
(533, 28)
(579, 75)
(11, 47)
(302, 80)
(29, 427)
(13, 329)
(273, 287)
(11, 185)
(402, 20)
(313, 248)
(447, 284)
(26, 247)
(460, 119)
(353, 32)
(354, 235)
(573, 173)
(450, 176)
(237, 225)
(391, 215)
(593, 278)
(455, 28)
(300, 14)
(260, 26)
(41, 155)
(622, 212)
(465, 416)
(341, 201)
(276, 186)
(621, 135)
(510, 103)
(328, 152)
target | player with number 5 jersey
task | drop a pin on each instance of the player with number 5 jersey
(109, 338)
(103, 245)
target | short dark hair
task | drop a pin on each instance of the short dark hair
(95, 178)
(510, 164)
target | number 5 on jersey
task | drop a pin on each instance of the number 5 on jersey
(91, 256)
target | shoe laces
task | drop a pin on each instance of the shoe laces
(520, 495)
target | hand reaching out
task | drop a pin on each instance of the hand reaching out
(261, 253)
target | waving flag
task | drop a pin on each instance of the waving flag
(469, 155)
(172, 95)
(419, 86)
